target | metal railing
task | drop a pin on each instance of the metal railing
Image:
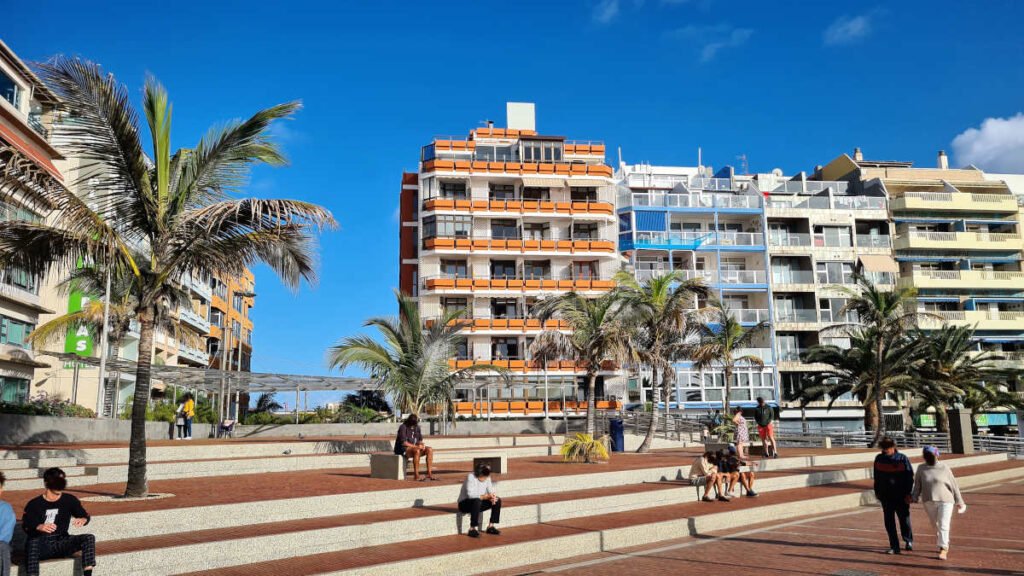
(799, 202)
(36, 123)
(858, 203)
(806, 315)
(960, 236)
(810, 187)
(861, 439)
(872, 241)
(789, 239)
(709, 238)
(1007, 444)
(669, 426)
(669, 200)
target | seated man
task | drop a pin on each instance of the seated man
(410, 443)
(705, 473)
(477, 495)
(732, 469)
(46, 521)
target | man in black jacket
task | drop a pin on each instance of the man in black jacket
(764, 416)
(894, 481)
(46, 522)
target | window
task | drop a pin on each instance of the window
(13, 390)
(537, 270)
(495, 153)
(10, 90)
(504, 229)
(454, 268)
(585, 270)
(533, 193)
(583, 193)
(220, 289)
(236, 302)
(502, 192)
(504, 308)
(539, 151)
(835, 273)
(586, 231)
(447, 226)
(247, 337)
(456, 190)
(505, 349)
(14, 332)
(832, 236)
(216, 317)
(19, 279)
(461, 349)
(236, 330)
(453, 305)
(536, 231)
(503, 269)
(830, 308)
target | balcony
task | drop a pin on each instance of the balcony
(982, 319)
(20, 295)
(189, 317)
(954, 201)
(524, 365)
(785, 240)
(765, 354)
(914, 239)
(691, 202)
(526, 207)
(961, 279)
(792, 277)
(709, 276)
(516, 324)
(459, 285)
(193, 354)
(699, 240)
(860, 203)
(487, 243)
(750, 315)
(778, 204)
(880, 242)
(35, 121)
(516, 168)
(796, 316)
(199, 287)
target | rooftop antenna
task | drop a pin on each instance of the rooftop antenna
(743, 164)
(620, 156)
(700, 163)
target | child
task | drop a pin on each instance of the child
(7, 521)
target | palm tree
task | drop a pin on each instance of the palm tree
(158, 214)
(371, 399)
(859, 371)
(597, 336)
(887, 316)
(658, 310)
(950, 367)
(720, 343)
(411, 363)
(265, 403)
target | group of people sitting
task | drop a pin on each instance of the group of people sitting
(722, 471)
(46, 522)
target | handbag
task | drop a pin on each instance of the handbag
(180, 421)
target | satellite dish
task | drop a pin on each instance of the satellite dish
(777, 172)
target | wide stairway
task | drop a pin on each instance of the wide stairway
(248, 507)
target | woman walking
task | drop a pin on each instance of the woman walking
(742, 434)
(936, 487)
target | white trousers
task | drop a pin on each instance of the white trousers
(941, 514)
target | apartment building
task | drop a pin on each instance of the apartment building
(710, 227)
(27, 166)
(492, 223)
(957, 240)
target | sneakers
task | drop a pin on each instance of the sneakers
(751, 494)
(707, 499)
(493, 530)
(892, 551)
(943, 553)
(724, 499)
(909, 547)
(473, 533)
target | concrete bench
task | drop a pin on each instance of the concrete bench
(388, 465)
(810, 441)
(497, 462)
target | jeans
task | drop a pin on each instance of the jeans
(5, 559)
(893, 510)
(188, 427)
(941, 514)
(46, 547)
(473, 507)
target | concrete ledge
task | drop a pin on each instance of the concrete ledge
(21, 429)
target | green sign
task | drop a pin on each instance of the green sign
(926, 420)
(79, 340)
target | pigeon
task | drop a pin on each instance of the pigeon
(287, 452)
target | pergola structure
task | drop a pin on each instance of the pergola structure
(227, 384)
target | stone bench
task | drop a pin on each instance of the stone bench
(809, 441)
(388, 465)
(497, 462)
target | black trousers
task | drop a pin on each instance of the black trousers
(473, 507)
(47, 547)
(892, 511)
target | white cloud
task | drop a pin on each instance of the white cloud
(847, 30)
(997, 146)
(605, 11)
(712, 39)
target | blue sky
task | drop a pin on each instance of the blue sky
(789, 86)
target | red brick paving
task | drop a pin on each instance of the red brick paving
(981, 544)
(730, 559)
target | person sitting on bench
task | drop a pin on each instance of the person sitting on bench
(705, 473)
(731, 466)
(409, 443)
(46, 522)
(477, 495)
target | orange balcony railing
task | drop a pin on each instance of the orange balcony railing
(441, 283)
(484, 243)
(520, 365)
(519, 206)
(480, 166)
(478, 324)
(530, 407)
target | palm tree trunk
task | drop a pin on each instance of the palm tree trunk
(137, 486)
(728, 388)
(941, 418)
(870, 415)
(645, 446)
(591, 404)
(879, 396)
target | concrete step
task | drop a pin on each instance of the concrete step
(37, 462)
(530, 544)
(34, 473)
(87, 478)
(220, 548)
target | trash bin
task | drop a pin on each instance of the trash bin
(617, 430)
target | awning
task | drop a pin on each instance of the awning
(538, 182)
(879, 263)
(587, 182)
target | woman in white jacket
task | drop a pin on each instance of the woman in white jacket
(936, 487)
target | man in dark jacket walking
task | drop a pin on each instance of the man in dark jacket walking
(894, 481)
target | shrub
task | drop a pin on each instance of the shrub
(43, 404)
(585, 448)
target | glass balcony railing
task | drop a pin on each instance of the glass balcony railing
(695, 239)
(803, 316)
(799, 202)
(873, 241)
(669, 200)
(776, 238)
(858, 203)
(35, 121)
(792, 277)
